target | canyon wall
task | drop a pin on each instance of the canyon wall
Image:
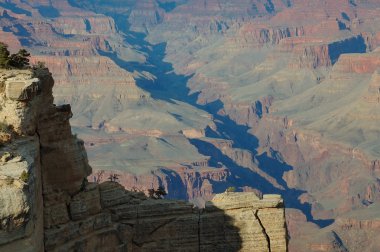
(46, 202)
(283, 99)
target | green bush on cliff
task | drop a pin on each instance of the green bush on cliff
(4, 55)
(231, 189)
(24, 176)
(6, 133)
(17, 60)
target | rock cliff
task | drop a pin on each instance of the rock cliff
(302, 75)
(46, 202)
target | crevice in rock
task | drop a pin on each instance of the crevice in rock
(68, 210)
(137, 223)
(256, 213)
(162, 225)
(40, 160)
(199, 230)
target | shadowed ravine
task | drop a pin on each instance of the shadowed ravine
(172, 87)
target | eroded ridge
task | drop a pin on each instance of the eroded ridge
(47, 204)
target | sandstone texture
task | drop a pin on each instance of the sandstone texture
(47, 204)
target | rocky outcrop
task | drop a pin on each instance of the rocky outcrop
(263, 218)
(183, 182)
(47, 204)
(241, 49)
(21, 227)
(20, 171)
(358, 63)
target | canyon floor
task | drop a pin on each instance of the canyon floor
(267, 96)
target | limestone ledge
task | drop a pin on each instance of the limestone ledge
(133, 222)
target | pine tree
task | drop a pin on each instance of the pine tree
(160, 192)
(4, 55)
(24, 57)
(20, 59)
(157, 194)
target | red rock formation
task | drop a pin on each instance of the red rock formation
(181, 182)
(49, 205)
(358, 63)
(294, 45)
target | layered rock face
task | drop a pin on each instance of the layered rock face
(21, 200)
(47, 204)
(286, 96)
(303, 81)
(73, 43)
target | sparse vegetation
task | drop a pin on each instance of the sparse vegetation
(231, 189)
(19, 60)
(160, 193)
(39, 65)
(113, 177)
(98, 176)
(136, 189)
(5, 133)
(24, 177)
(4, 55)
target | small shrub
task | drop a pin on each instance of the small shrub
(136, 189)
(39, 65)
(231, 189)
(98, 176)
(20, 59)
(4, 55)
(5, 133)
(151, 193)
(24, 176)
(160, 193)
(17, 60)
(113, 177)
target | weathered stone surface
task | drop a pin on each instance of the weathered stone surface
(82, 216)
(55, 215)
(85, 203)
(56, 208)
(21, 90)
(63, 154)
(21, 222)
(57, 238)
(250, 223)
(112, 194)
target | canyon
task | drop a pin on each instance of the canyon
(198, 96)
(47, 204)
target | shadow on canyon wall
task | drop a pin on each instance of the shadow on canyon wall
(170, 86)
(351, 45)
(208, 229)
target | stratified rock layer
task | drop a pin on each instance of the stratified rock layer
(47, 204)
